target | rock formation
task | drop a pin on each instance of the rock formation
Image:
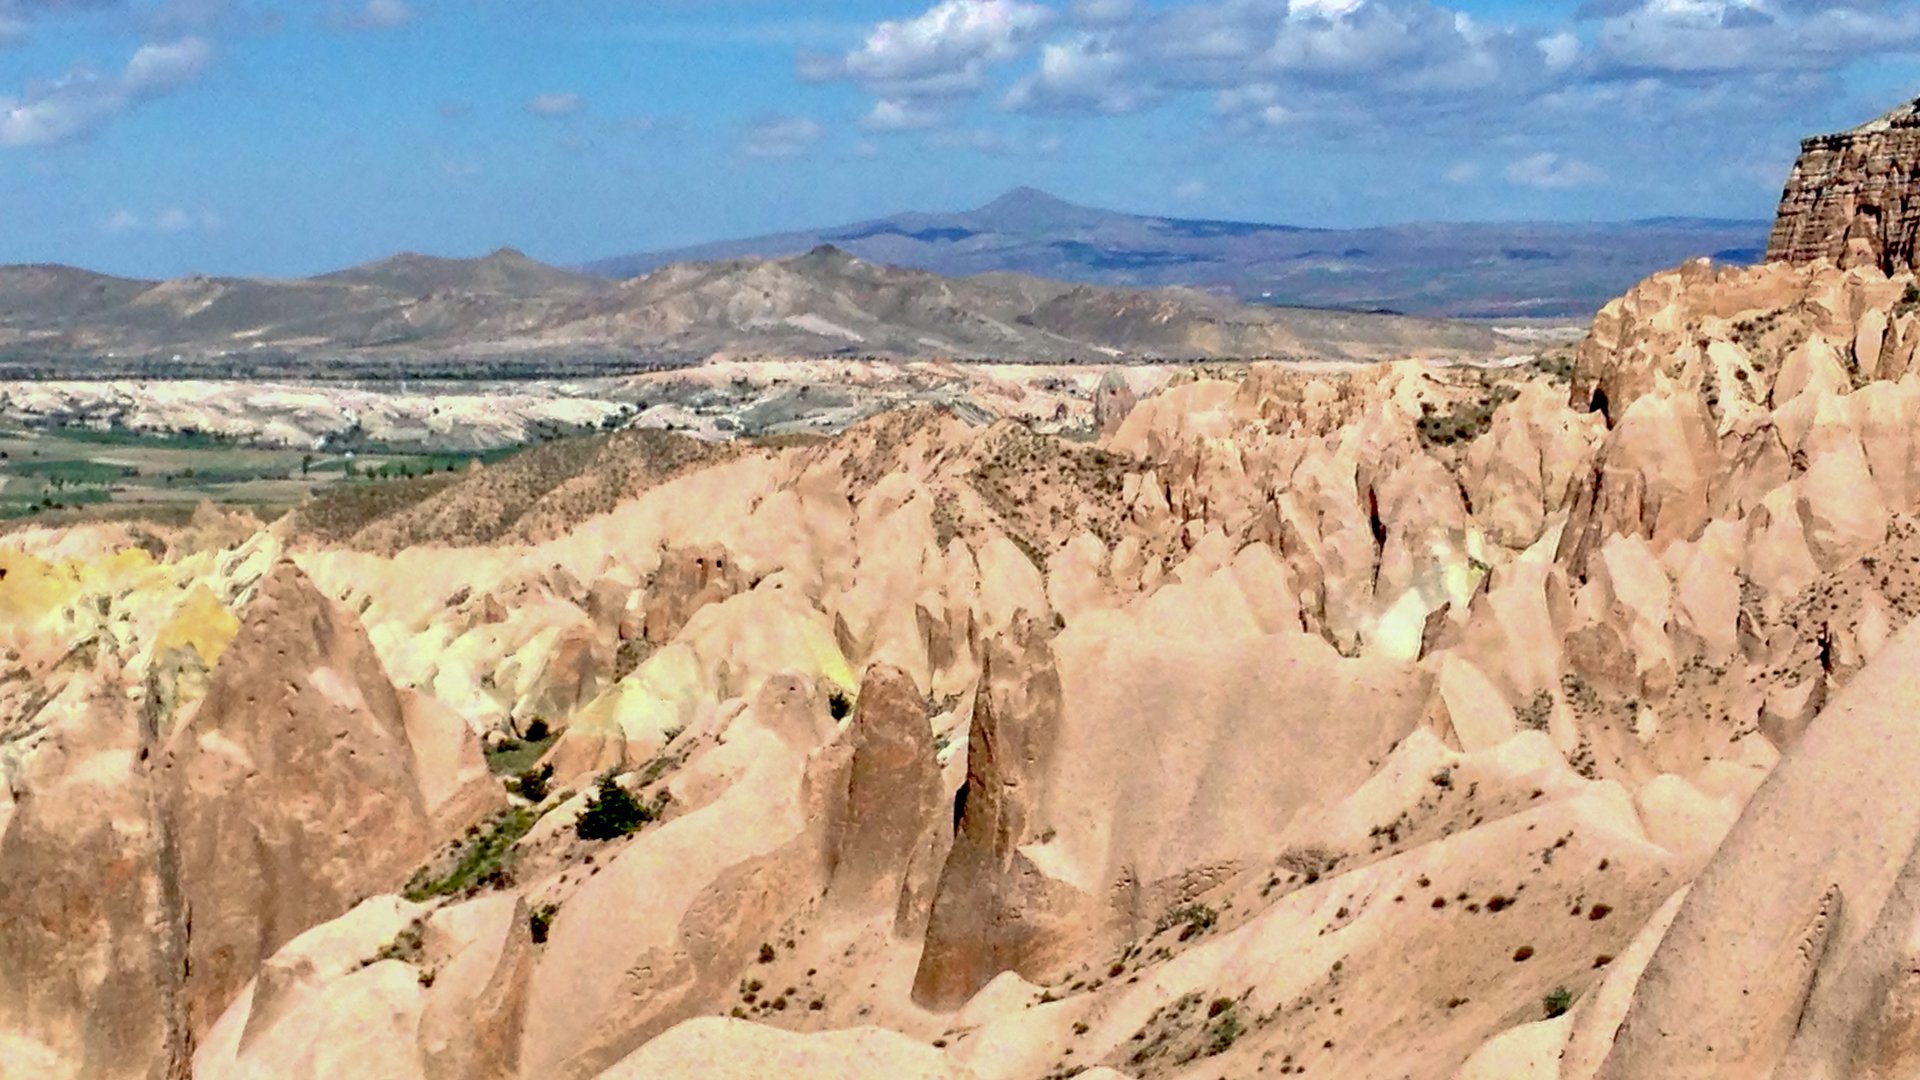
(1854, 197)
(1398, 721)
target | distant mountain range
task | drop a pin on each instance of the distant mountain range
(508, 315)
(1502, 270)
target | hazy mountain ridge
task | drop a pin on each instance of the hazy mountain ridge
(469, 316)
(1533, 269)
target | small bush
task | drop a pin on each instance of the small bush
(407, 946)
(1557, 1002)
(532, 784)
(540, 922)
(1224, 1029)
(1192, 919)
(611, 813)
(839, 704)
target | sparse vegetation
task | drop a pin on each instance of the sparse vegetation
(1463, 423)
(612, 812)
(1223, 1027)
(1311, 862)
(482, 858)
(1557, 1002)
(407, 946)
(511, 757)
(1192, 920)
(1536, 712)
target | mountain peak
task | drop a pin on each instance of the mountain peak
(1028, 199)
(1026, 209)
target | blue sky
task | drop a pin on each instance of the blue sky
(160, 137)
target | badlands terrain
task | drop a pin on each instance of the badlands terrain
(1401, 720)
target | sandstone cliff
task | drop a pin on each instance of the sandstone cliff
(1854, 197)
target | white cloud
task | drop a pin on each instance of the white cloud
(80, 103)
(889, 115)
(780, 137)
(1552, 171)
(1695, 37)
(13, 31)
(1253, 107)
(1560, 51)
(552, 105)
(164, 68)
(945, 50)
(1463, 172)
(1190, 190)
(1085, 72)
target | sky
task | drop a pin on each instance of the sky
(289, 137)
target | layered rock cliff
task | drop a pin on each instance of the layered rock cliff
(1854, 197)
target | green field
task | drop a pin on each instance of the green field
(87, 472)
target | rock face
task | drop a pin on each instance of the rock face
(1854, 197)
(293, 789)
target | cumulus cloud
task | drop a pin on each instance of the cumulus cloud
(944, 51)
(82, 102)
(554, 105)
(888, 115)
(1551, 171)
(1085, 72)
(1701, 37)
(1409, 64)
(780, 136)
(164, 68)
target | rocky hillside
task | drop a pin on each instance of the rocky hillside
(1395, 721)
(506, 315)
(1854, 197)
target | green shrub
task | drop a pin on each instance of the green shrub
(540, 921)
(1224, 1029)
(1557, 1002)
(611, 813)
(482, 858)
(532, 784)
